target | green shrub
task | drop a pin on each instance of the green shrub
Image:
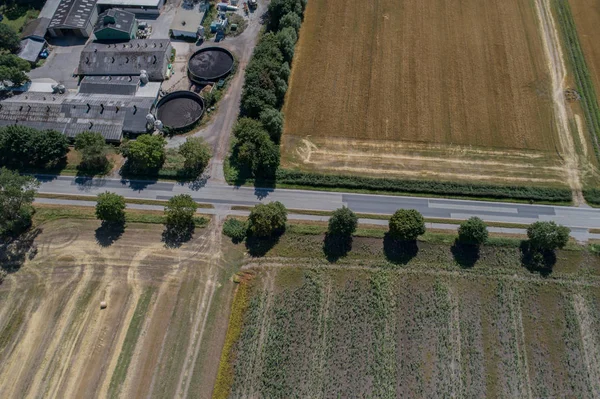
(592, 196)
(235, 229)
(407, 224)
(473, 231)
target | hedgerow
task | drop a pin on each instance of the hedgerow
(592, 196)
(528, 193)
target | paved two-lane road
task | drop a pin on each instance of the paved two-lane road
(221, 195)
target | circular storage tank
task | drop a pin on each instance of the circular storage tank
(180, 109)
(210, 64)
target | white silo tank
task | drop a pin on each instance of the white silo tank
(150, 118)
(143, 76)
(158, 125)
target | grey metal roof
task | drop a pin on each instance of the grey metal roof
(109, 115)
(120, 85)
(127, 58)
(30, 49)
(115, 19)
(72, 14)
(36, 28)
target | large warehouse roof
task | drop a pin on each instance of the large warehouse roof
(129, 3)
(109, 115)
(115, 19)
(72, 13)
(128, 58)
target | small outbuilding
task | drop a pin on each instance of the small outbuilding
(115, 24)
(187, 22)
(138, 7)
(31, 49)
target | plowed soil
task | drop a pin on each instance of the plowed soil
(56, 342)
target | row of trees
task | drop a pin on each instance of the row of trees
(258, 132)
(12, 68)
(24, 147)
(16, 198)
(147, 154)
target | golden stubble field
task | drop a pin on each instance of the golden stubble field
(421, 88)
(587, 19)
(155, 338)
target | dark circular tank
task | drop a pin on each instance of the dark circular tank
(180, 109)
(210, 64)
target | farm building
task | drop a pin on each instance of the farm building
(33, 39)
(91, 109)
(138, 7)
(126, 59)
(73, 18)
(187, 21)
(115, 24)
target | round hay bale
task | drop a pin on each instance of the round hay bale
(103, 305)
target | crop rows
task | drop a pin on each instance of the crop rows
(316, 333)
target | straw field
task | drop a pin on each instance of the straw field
(587, 19)
(154, 339)
(421, 86)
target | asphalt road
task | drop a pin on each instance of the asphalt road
(222, 196)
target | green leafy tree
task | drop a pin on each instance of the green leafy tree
(290, 20)
(14, 75)
(279, 8)
(254, 148)
(235, 229)
(267, 220)
(146, 153)
(473, 231)
(110, 207)
(13, 61)
(407, 224)
(196, 153)
(287, 42)
(343, 222)
(21, 146)
(9, 39)
(16, 196)
(180, 212)
(547, 236)
(284, 71)
(272, 121)
(93, 148)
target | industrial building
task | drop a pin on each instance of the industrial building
(115, 24)
(92, 109)
(188, 19)
(73, 18)
(127, 59)
(33, 39)
(138, 7)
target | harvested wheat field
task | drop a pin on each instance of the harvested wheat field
(373, 81)
(419, 328)
(159, 336)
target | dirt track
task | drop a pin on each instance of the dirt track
(56, 342)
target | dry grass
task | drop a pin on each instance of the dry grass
(422, 86)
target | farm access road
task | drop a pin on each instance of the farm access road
(223, 196)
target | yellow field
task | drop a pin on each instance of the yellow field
(382, 78)
(587, 20)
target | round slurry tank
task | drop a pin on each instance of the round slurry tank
(210, 64)
(180, 109)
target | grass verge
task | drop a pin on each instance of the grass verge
(131, 338)
(387, 217)
(585, 86)
(46, 213)
(136, 201)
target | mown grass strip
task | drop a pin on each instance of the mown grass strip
(46, 213)
(234, 330)
(131, 338)
(585, 85)
(137, 201)
(387, 217)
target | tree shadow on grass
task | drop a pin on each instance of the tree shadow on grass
(108, 233)
(466, 255)
(14, 251)
(176, 236)
(399, 251)
(259, 246)
(336, 247)
(536, 260)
